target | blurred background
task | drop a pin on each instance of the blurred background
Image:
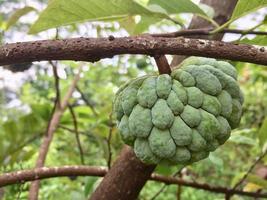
(26, 102)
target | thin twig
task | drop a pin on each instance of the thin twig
(179, 187)
(109, 141)
(20, 186)
(55, 115)
(57, 103)
(57, 87)
(87, 102)
(73, 131)
(179, 192)
(159, 192)
(205, 31)
(49, 172)
(250, 169)
(249, 30)
(165, 185)
(227, 196)
(75, 124)
(48, 137)
(32, 139)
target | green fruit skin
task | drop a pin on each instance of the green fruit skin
(164, 86)
(162, 116)
(161, 143)
(182, 117)
(140, 121)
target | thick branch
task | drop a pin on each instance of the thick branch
(93, 49)
(50, 172)
(125, 179)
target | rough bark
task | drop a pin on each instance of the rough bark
(69, 171)
(49, 172)
(223, 11)
(94, 49)
(125, 179)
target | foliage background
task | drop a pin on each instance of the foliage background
(26, 98)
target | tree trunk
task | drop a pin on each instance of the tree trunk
(128, 175)
(223, 11)
(125, 179)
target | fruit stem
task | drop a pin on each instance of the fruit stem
(162, 64)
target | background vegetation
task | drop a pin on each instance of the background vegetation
(27, 98)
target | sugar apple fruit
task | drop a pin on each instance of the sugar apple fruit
(180, 118)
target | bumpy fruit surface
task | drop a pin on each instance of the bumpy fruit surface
(180, 118)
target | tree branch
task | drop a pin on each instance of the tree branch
(108, 139)
(77, 136)
(57, 87)
(50, 172)
(165, 185)
(52, 126)
(250, 169)
(125, 179)
(87, 101)
(203, 186)
(94, 49)
(206, 31)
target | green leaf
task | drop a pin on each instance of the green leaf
(166, 170)
(207, 9)
(241, 139)
(263, 132)
(216, 159)
(258, 40)
(143, 25)
(257, 180)
(132, 28)
(128, 24)
(89, 185)
(237, 177)
(17, 15)
(243, 8)
(177, 6)
(64, 12)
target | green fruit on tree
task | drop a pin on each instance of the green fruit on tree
(182, 117)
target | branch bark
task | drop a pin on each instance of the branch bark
(162, 64)
(223, 11)
(48, 137)
(65, 171)
(125, 179)
(94, 49)
(200, 32)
